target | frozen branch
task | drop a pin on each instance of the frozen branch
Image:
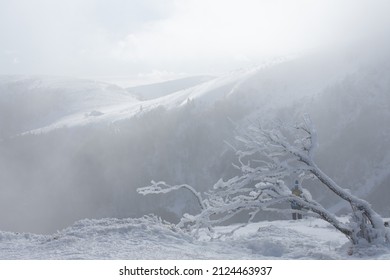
(162, 187)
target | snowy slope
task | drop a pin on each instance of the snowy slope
(206, 93)
(147, 238)
(152, 91)
(269, 86)
(32, 102)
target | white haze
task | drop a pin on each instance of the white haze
(139, 40)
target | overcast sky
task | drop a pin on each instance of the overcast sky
(171, 38)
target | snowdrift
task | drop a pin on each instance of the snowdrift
(150, 238)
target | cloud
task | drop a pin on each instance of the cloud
(97, 37)
(129, 48)
(216, 33)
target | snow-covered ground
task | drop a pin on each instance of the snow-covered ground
(148, 238)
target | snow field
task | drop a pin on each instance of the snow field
(149, 238)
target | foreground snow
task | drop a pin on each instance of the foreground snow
(147, 238)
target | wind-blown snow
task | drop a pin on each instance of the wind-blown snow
(149, 238)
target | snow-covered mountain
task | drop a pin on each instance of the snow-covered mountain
(268, 87)
(73, 149)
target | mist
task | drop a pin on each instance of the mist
(132, 39)
(77, 137)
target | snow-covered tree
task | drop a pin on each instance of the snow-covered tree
(271, 157)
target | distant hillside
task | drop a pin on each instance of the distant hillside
(32, 102)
